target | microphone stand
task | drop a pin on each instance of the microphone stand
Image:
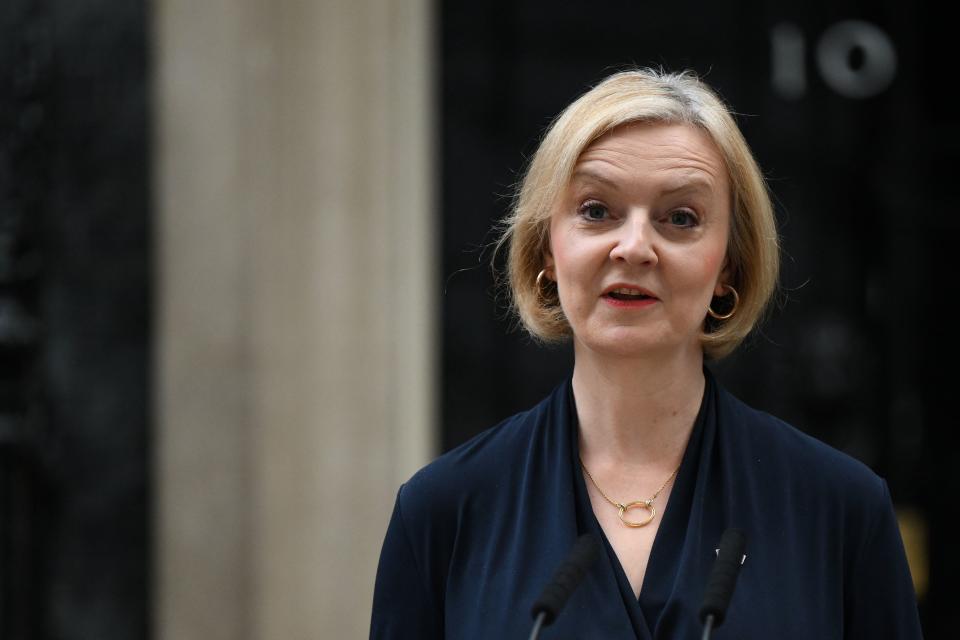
(707, 627)
(537, 625)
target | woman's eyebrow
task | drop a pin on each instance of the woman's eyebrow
(690, 184)
(695, 182)
(588, 175)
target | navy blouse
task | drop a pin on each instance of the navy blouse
(476, 534)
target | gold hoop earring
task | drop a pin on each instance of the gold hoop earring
(729, 314)
(540, 276)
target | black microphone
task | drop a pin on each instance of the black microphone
(723, 579)
(565, 581)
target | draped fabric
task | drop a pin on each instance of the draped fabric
(476, 534)
(666, 555)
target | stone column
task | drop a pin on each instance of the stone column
(295, 361)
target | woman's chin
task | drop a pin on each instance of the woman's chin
(635, 343)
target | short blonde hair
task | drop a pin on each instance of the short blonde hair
(642, 95)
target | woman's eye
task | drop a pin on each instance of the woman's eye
(593, 211)
(683, 218)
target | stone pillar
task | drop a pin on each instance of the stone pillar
(295, 361)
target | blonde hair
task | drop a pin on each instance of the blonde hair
(642, 95)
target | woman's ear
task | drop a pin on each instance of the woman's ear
(724, 279)
(548, 262)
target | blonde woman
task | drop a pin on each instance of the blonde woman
(643, 232)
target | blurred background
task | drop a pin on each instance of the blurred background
(245, 287)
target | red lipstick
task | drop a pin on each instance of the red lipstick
(628, 296)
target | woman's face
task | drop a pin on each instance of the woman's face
(638, 240)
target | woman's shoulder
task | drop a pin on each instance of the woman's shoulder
(485, 463)
(775, 444)
(833, 513)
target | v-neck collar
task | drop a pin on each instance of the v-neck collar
(665, 554)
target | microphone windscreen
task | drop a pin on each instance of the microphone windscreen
(723, 578)
(567, 578)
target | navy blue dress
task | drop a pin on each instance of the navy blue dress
(476, 534)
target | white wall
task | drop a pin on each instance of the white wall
(295, 367)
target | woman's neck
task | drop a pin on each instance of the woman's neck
(636, 413)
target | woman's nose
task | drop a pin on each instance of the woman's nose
(634, 242)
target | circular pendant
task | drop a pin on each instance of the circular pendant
(639, 504)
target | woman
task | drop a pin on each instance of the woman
(643, 231)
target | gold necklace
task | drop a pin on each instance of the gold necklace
(637, 504)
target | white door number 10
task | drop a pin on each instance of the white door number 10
(855, 58)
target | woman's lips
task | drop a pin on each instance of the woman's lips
(625, 295)
(622, 291)
(629, 303)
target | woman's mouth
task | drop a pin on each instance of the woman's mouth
(627, 293)
(628, 297)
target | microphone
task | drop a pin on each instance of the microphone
(723, 579)
(565, 581)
